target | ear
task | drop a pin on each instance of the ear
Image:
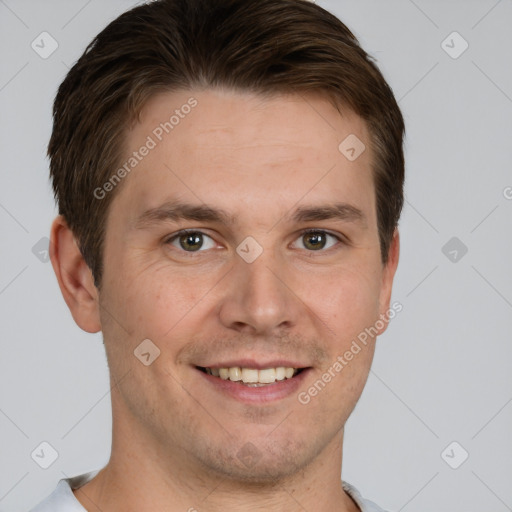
(388, 274)
(74, 276)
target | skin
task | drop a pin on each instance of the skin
(176, 437)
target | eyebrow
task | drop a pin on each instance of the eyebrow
(174, 211)
(339, 211)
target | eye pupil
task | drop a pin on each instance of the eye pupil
(191, 241)
(314, 241)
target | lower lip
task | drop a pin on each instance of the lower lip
(262, 394)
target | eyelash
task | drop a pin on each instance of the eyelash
(175, 236)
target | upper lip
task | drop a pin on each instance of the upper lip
(259, 365)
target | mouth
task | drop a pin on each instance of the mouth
(252, 377)
(252, 383)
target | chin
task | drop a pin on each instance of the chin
(260, 475)
(267, 466)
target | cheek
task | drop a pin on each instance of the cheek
(347, 303)
(155, 302)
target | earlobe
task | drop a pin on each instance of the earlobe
(388, 274)
(74, 277)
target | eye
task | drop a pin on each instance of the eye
(316, 240)
(191, 241)
(195, 241)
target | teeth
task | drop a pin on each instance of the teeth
(280, 373)
(235, 374)
(252, 376)
(288, 373)
(269, 375)
(249, 375)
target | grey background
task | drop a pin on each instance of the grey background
(442, 372)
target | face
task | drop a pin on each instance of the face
(279, 267)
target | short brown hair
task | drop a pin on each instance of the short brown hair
(260, 46)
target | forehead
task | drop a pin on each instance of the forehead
(247, 150)
(220, 113)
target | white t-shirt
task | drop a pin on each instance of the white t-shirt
(63, 499)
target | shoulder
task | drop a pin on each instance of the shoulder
(62, 498)
(364, 504)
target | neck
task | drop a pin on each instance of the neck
(145, 475)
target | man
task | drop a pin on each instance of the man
(229, 177)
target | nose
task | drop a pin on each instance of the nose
(260, 298)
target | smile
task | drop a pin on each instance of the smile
(253, 377)
(255, 381)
